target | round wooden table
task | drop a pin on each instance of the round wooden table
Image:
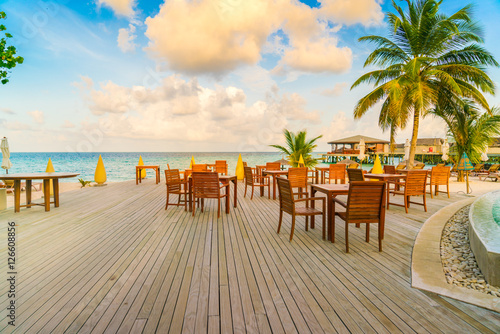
(29, 177)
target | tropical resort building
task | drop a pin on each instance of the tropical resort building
(349, 148)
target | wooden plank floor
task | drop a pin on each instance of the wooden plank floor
(112, 260)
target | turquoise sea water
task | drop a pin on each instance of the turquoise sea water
(120, 166)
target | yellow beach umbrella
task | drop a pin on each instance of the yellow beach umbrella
(50, 169)
(377, 166)
(240, 172)
(192, 162)
(301, 161)
(100, 172)
(143, 171)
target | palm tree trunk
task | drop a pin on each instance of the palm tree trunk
(413, 146)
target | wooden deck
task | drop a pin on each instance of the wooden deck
(112, 260)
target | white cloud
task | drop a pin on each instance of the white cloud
(337, 90)
(37, 116)
(185, 112)
(7, 111)
(365, 12)
(67, 125)
(120, 7)
(126, 39)
(212, 36)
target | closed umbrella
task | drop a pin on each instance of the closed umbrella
(407, 149)
(446, 148)
(361, 155)
(484, 156)
(6, 164)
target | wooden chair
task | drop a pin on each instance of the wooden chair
(354, 165)
(355, 175)
(439, 176)
(255, 180)
(365, 205)
(478, 168)
(336, 172)
(492, 170)
(207, 185)
(441, 165)
(174, 186)
(389, 169)
(288, 205)
(298, 179)
(419, 165)
(200, 168)
(414, 185)
(273, 166)
(221, 166)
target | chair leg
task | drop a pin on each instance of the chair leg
(251, 197)
(185, 201)
(431, 190)
(202, 204)
(293, 227)
(307, 223)
(324, 225)
(279, 224)
(425, 204)
(166, 205)
(406, 203)
(245, 195)
(194, 204)
(448, 190)
(380, 237)
(268, 191)
(367, 232)
(346, 237)
(218, 208)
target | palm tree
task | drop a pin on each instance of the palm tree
(426, 53)
(297, 145)
(471, 129)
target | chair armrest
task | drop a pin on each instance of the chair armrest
(340, 202)
(309, 199)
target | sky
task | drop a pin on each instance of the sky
(196, 76)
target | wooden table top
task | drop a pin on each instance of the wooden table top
(384, 176)
(227, 177)
(37, 176)
(148, 166)
(331, 187)
(275, 172)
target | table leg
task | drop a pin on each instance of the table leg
(313, 204)
(17, 195)
(261, 188)
(55, 183)
(46, 194)
(316, 178)
(136, 177)
(28, 193)
(228, 201)
(274, 186)
(190, 191)
(140, 175)
(158, 175)
(236, 192)
(331, 219)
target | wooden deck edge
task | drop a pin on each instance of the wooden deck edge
(426, 267)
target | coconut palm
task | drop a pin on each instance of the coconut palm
(426, 53)
(297, 145)
(471, 129)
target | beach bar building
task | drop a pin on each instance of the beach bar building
(348, 148)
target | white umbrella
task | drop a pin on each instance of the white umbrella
(407, 149)
(361, 155)
(6, 164)
(446, 148)
(484, 156)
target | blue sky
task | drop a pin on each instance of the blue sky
(221, 75)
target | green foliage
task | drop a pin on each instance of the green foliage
(84, 183)
(471, 129)
(425, 54)
(8, 58)
(296, 145)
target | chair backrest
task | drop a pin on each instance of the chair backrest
(354, 165)
(221, 166)
(286, 195)
(273, 166)
(297, 177)
(415, 182)
(200, 168)
(245, 164)
(173, 179)
(440, 175)
(441, 165)
(248, 175)
(337, 171)
(206, 185)
(494, 168)
(389, 169)
(366, 201)
(355, 175)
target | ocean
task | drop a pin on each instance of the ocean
(120, 166)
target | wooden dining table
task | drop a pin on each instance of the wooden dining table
(138, 169)
(320, 174)
(274, 174)
(331, 191)
(29, 177)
